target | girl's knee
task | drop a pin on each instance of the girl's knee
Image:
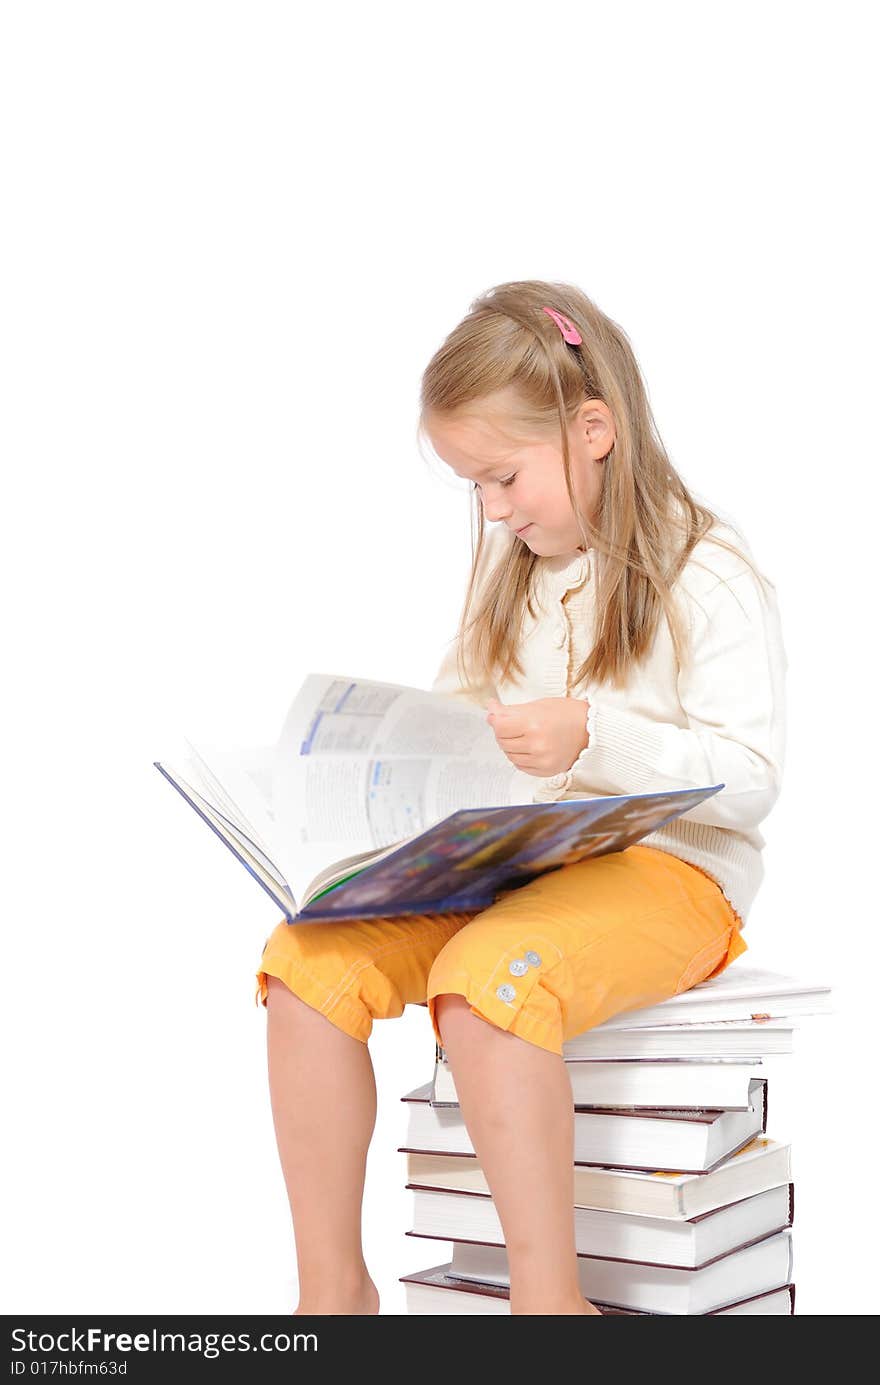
(451, 1012)
(478, 979)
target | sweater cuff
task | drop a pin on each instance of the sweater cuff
(622, 755)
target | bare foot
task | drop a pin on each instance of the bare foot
(362, 1301)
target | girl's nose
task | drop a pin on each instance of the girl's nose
(495, 507)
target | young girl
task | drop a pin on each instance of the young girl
(621, 641)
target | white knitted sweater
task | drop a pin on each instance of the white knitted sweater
(722, 720)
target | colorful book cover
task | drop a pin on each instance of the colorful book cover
(474, 855)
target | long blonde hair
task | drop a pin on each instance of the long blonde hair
(647, 522)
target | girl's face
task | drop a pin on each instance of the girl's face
(521, 481)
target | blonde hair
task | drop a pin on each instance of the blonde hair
(647, 522)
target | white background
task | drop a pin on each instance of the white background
(234, 235)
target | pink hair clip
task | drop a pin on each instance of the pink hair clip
(566, 326)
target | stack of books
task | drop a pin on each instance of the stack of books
(683, 1202)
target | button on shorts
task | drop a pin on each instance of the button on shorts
(546, 961)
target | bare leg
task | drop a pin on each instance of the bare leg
(323, 1093)
(517, 1104)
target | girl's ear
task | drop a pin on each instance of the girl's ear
(596, 425)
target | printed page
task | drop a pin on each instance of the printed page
(243, 847)
(246, 841)
(361, 765)
(239, 784)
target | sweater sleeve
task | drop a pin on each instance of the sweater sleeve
(732, 695)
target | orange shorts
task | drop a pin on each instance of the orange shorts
(546, 961)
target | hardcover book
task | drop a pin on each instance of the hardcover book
(743, 1038)
(433, 1292)
(761, 1164)
(744, 992)
(681, 1244)
(691, 1141)
(754, 1269)
(648, 1083)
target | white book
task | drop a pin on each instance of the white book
(652, 1288)
(715, 1084)
(689, 1140)
(741, 991)
(691, 1244)
(763, 1163)
(432, 1292)
(716, 1039)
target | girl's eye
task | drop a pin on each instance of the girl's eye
(508, 481)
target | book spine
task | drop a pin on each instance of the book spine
(764, 1098)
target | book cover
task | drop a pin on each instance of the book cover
(475, 855)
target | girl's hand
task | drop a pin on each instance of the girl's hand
(543, 737)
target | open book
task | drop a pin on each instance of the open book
(384, 800)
